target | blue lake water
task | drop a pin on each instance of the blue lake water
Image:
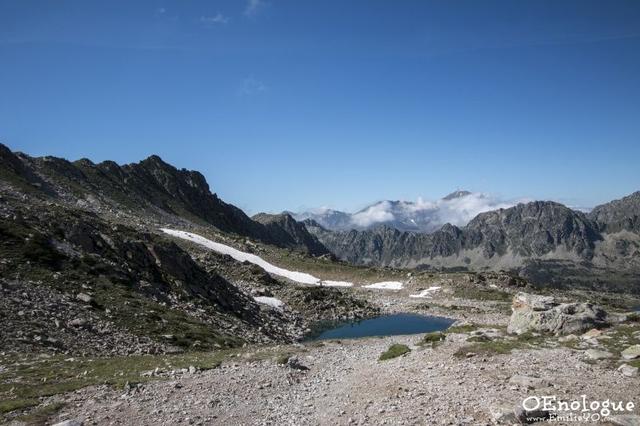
(386, 325)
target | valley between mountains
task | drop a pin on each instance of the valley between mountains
(132, 294)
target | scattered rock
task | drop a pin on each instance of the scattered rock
(78, 322)
(597, 354)
(594, 332)
(84, 297)
(294, 362)
(628, 370)
(529, 382)
(71, 422)
(503, 413)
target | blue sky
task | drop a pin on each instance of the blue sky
(292, 104)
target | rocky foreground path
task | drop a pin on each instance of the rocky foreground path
(346, 384)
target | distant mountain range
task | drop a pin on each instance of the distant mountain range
(457, 208)
(545, 241)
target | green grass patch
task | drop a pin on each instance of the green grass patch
(282, 359)
(40, 415)
(490, 294)
(432, 339)
(622, 336)
(9, 405)
(502, 346)
(394, 351)
(466, 328)
(634, 317)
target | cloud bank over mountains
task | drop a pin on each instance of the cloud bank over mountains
(457, 208)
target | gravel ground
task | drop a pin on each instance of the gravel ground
(346, 384)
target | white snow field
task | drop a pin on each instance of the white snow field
(299, 277)
(426, 293)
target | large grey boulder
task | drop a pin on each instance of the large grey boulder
(543, 314)
(632, 352)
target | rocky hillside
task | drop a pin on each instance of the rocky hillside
(84, 269)
(151, 188)
(618, 215)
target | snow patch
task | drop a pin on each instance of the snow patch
(426, 293)
(299, 277)
(336, 284)
(270, 301)
(241, 256)
(386, 285)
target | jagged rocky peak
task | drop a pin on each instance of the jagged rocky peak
(456, 194)
(285, 229)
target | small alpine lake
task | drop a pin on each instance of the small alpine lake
(384, 325)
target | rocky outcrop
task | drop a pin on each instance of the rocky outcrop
(290, 233)
(542, 314)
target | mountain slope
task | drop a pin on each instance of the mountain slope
(618, 215)
(85, 270)
(151, 187)
(282, 227)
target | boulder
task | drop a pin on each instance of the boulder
(294, 363)
(628, 370)
(533, 313)
(84, 297)
(632, 352)
(597, 354)
(591, 334)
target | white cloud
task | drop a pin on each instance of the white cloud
(459, 211)
(254, 7)
(251, 86)
(161, 11)
(376, 213)
(218, 19)
(429, 215)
